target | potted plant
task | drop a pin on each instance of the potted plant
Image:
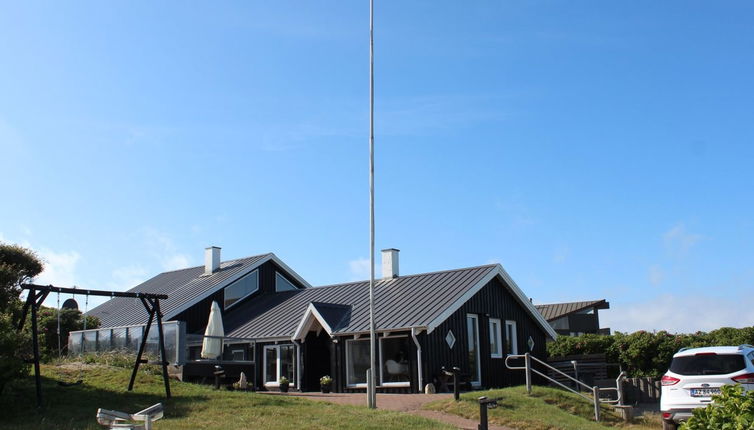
(325, 383)
(284, 384)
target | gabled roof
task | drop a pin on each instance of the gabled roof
(183, 287)
(556, 310)
(330, 316)
(412, 301)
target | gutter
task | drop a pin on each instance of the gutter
(414, 332)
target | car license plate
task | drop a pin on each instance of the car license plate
(704, 392)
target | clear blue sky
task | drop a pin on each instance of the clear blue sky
(595, 149)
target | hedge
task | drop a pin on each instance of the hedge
(645, 353)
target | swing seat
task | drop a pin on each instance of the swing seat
(70, 384)
(141, 420)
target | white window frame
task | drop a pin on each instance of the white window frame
(279, 276)
(292, 380)
(393, 384)
(514, 339)
(469, 317)
(240, 299)
(496, 335)
(348, 360)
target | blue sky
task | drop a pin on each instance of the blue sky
(595, 149)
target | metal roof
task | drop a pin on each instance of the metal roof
(557, 310)
(183, 287)
(400, 303)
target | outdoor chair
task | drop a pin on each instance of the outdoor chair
(141, 420)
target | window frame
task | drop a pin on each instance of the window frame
(514, 340)
(394, 384)
(279, 276)
(498, 337)
(475, 317)
(240, 299)
(348, 362)
(278, 365)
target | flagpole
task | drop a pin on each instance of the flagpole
(371, 386)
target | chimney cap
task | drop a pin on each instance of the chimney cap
(391, 249)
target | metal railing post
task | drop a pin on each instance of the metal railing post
(482, 414)
(596, 394)
(527, 359)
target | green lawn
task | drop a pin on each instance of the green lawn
(545, 409)
(192, 406)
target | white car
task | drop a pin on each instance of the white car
(696, 374)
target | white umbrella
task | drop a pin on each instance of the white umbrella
(212, 347)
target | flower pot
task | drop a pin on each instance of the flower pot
(284, 387)
(325, 388)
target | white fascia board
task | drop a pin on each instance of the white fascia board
(303, 326)
(497, 271)
(290, 271)
(527, 303)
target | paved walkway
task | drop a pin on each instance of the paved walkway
(408, 403)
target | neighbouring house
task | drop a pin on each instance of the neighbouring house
(277, 325)
(575, 318)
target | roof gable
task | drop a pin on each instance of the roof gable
(184, 288)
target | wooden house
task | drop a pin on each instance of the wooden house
(278, 325)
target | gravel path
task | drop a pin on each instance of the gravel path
(408, 403)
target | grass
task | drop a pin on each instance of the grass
(545, 409)
(192, 406)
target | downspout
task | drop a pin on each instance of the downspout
(298, 364)
(419, 372)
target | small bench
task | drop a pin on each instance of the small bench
(141, 420)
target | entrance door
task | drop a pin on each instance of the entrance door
(316, 359)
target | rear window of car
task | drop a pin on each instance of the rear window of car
(717, 364)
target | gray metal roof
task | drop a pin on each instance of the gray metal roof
(183, 287)
(557, 310)
(400, 303)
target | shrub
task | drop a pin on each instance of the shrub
(732, 409)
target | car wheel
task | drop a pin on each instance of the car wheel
(669, 425)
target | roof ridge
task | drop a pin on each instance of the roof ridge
(226, 261)
(405, 276)
(568, 303)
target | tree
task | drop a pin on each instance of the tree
(17, 265)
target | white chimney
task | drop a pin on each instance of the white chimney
(390, 263)
(211, 259)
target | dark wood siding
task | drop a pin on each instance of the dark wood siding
(492, 301)
(197, 316)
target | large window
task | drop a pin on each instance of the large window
(496, 344)
(511, 342)
(472, 325)
(241, 288)
(357, 361)
(394, 360)
(282, 284)
(279, 362)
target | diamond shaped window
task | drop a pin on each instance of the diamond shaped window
(450, 338)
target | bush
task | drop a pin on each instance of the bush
(70, 320)
(732, 409)
(645, 353)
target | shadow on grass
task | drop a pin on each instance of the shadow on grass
(75, 407)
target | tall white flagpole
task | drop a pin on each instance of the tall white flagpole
(371, 386)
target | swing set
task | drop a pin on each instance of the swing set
(38, 294)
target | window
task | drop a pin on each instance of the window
(278, 362)
(496, 340)
(472, 325)
(240, 289)
(357, 361)
(237, 352)
(511, 342)
(282, 284)
(394, 367)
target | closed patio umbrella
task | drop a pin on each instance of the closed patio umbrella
(212, 347)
